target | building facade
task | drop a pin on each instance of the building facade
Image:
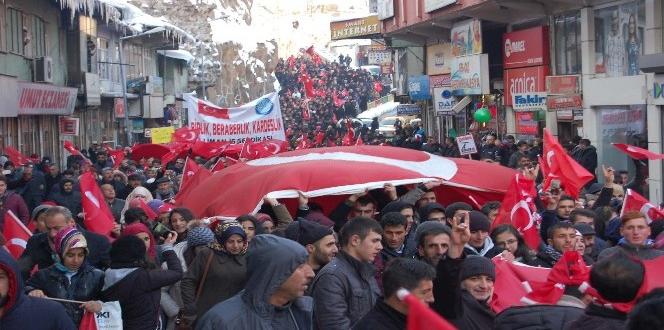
(571, 67)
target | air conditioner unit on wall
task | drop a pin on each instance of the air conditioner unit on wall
(44, 69)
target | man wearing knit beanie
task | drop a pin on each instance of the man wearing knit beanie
(480, 243)
(464, 284)
(319, 241)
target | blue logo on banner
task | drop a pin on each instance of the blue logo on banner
(264, 106)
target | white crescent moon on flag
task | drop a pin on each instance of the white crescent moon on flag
(17, 241)
(523, 205)
(435, 166)
(549, 155)
(92, 198)
(645, 209)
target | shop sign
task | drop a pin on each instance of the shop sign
(466, 144)
(529, 47)
(558, 102)
(162, 135)
(466, 37)
(137, 125)
(42, 99)
(470, 75)
(563, 85)
(657, 94)
(8, 97)
(526, 124)
(69, 126)
(524, 80)
(418, 88)
(444, 101)
(385, 9)
(355, 28)
(569, 114)
(379, 57)
(408, 109)
(438, 59)
(529, 101)
(431, 5)
(440, 80)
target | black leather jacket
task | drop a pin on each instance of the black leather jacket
(87, 284)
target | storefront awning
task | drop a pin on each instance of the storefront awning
(465, 101)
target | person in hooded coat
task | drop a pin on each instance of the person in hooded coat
(279, 274)
(67, 196)
(137, 288)
(18, 311)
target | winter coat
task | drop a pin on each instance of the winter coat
(455, 304)
(598, 317)
(646, 252)
(70, 200)
(226, 277)
(490, 151)
(536, 317)
(15, 203)
(33, 191)
(488, 245)
(116, 207)
(171, 296)
(85, 285)
(38, 252)
(383, 317)
(587, 158)
(24, 312)
(139, 290)
(271, 260)
(344, 291)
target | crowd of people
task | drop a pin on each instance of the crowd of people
(308, 269)
(316, 96)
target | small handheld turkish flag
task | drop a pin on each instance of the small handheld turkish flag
(98, 217)
(635, 202)
(16, 234)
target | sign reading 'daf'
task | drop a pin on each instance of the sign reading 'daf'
(444, 100)
(466, 145)
(529, 101)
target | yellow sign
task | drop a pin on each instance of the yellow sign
(162, 135)
(355, 28)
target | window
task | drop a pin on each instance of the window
(15, 31)
(619, 34)
(567, 46)
(38, 37)
(104, 68)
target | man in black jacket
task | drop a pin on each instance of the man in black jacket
(464, 285)
(390, 313)
(617, 280)
(39, 251)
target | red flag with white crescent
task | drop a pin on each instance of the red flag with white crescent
(98, 217)
(209, 150)
(186, 134)
(420, 316)
(16, 234)
(572, 175)
(635, 202)
(518, 209)
(190, 168)
(342, 171)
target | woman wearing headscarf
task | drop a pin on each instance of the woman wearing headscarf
(71, 277)
(141, 231)
(226, 267)
(138, 192)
